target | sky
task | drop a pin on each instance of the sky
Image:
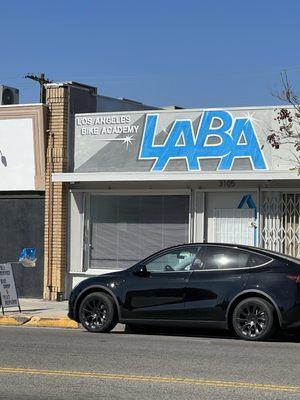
(189, 53)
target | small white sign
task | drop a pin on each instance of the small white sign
(9, 297)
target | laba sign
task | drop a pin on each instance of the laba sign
(219, 135)
(176, 141)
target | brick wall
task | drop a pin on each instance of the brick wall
(56, 202)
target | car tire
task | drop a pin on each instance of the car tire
(97, 313)
(253, 319)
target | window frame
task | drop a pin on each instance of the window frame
(86, 269)
(230, 269)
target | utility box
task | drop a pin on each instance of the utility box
(8, 95)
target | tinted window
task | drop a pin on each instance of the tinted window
(176, 260)
(257, 259)
(218, 257)
(283, 256)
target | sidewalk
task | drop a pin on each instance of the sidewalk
(40, 313)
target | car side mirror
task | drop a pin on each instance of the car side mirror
(142, 271)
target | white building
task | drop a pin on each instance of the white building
(22, 191)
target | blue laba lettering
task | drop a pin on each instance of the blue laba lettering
(219, 135)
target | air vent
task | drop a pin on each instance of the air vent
(8, 95)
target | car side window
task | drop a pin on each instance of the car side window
(218, 257)
(179, 259)
(199, 259)
(256, 260)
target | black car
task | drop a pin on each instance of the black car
(249, 290)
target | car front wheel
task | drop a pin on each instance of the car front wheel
(97, 313)
(253, 319)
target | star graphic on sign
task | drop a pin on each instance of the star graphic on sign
(128, 140)
(250, 118)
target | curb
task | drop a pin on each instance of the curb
(6, 320)
(42, 322)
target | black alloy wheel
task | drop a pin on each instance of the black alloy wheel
(97, 313)
(253, 319)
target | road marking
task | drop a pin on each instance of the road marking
(156, 379)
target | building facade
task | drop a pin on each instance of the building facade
(22, 185)
(64, 100)
(142, 181)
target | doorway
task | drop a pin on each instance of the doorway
(22, 225)
(226, 217)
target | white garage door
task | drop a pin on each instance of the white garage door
(234, 226)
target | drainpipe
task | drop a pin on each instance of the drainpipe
(50, 216)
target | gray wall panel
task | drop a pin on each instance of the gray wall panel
(22, 225)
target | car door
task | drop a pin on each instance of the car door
(159, 293)
(218, 274)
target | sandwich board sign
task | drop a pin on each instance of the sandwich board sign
(9, 296)
(8, 292)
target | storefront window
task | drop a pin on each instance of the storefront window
(124, 229)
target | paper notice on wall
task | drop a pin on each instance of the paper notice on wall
(9, 297)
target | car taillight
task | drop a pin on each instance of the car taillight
(295, 278)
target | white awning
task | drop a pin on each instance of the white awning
(174, 176)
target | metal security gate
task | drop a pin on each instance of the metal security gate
(280, 222)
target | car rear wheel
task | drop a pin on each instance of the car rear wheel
(97, 313)
(253, 319)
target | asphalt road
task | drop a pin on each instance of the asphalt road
(40, 364)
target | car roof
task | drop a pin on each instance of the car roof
(242, 246)
(203, 244)
(259, 250)
(270, 253)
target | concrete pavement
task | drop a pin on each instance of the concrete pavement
(71, 364)
(39, 313)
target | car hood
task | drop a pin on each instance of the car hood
(112, 279)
